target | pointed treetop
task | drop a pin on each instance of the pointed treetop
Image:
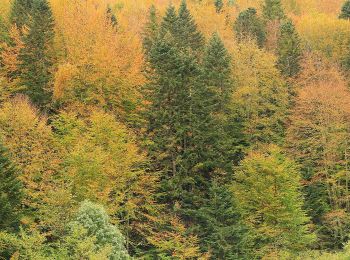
(188, 33)
(216, 49)
(273, 10)
(151, 29)
(169, 20)
(249, 26)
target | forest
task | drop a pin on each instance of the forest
(174, 129)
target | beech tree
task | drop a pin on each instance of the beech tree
(268, 194)
(317, 139)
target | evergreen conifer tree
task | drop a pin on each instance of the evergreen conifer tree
(219, 4)
(289, 51)
(10, 193)
(273, 10)
(249, 26)
(168, 24)
(36, 59)
(20, 12)
(221, 231)
(188, 94)
(211, 99)
(188, 35)
(151, 29)
(174, 72)
(345, 11)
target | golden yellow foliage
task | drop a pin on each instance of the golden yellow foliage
(103, 164)
(260, 97)
(10, 63)
(32, 148)
(318, 138)
(107, 62)
(325, 35)
(175, 242)
(5, 6)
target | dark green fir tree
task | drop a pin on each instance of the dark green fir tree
(211, 100)
(273, 10)
(345, 11)
(187, 31)
(173, 75)
(36, 57)
(151, 29)
(10, 193)
(249, 26)
(20, 12)
(289, 51)
(221, 231)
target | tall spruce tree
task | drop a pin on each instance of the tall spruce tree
(345, 11)
(174, 73)
(289, 51)
(273, 10)
(211, 99)
(221, 230)
(36, 59)
(20, 12)
(10, 193)
(151, 29)
(188, 35)
(249, 26)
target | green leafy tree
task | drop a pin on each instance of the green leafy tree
(10, 193)
(273, 10)
(249, 26)
(219, 4)
(267, 193)
(25, 245)
(345, 11)
(36, 59)
(260, 99)
(93, 222)
(289, 51)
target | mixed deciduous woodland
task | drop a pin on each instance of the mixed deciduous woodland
(156, 129)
